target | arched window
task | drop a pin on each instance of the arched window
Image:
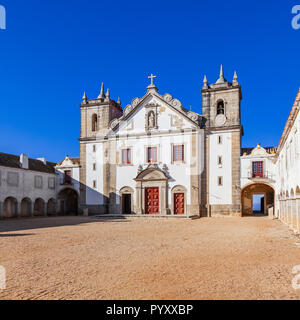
(220, 107)
(94, 122)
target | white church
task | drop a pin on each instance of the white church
(157, 158)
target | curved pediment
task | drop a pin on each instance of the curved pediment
(151, 173)
(259, 151)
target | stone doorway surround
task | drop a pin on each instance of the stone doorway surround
(175, 190)
(152, 177)
(129, 191)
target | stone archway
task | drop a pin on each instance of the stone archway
(152, 191)
(39, 207)
(26, 209)
(257, 189)
(68, 202)
(10, 207)
(127, 201)
(51, 207)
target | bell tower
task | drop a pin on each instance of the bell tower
(221, 108)
(221, 102)
(96, 116)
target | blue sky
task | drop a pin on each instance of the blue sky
(53, 51)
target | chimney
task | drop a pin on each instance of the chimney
(24, 164)
(43, 160)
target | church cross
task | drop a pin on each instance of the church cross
(152, 77)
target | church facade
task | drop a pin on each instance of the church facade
(156, 157)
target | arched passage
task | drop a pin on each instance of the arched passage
(10, 207)
(39, 207)
(26, 207)
(68, 202)
(255, 196)
(51, 207)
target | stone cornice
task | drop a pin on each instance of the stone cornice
(141, 135)
(289, 124)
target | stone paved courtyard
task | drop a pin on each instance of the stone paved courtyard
(87, 258)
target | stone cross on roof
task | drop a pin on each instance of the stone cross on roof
(152, 77)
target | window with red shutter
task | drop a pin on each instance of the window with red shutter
(178, 153)
(257, 169)
(126, 156)
(152, 154)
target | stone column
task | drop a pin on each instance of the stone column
(288, 212)
(142, 199)
(19, 209)
(164, 202)
(139, 199)
(298, 214)
(294, 211)
(291, 212)
(1, 210)
(32, 209)
(287, 220)
(45, 209)
(280, 210)
(284, 210)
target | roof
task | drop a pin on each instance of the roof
(247, 151)
(74, 160)
(13, 161)
(290, 122)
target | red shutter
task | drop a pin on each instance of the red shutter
(152, 154)
(258, 169)
(178, 153)
(126, 156)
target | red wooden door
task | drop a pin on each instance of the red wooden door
(152, 201)
(179, 203)
(257, 169)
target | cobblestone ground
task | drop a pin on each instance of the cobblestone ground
(86, 258)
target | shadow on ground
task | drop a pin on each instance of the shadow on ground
(15, 235)
(11, 225)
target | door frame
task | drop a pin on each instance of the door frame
(123, 197)
(179, 189)
(158, 201)
(123, 191)
(174, 199)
